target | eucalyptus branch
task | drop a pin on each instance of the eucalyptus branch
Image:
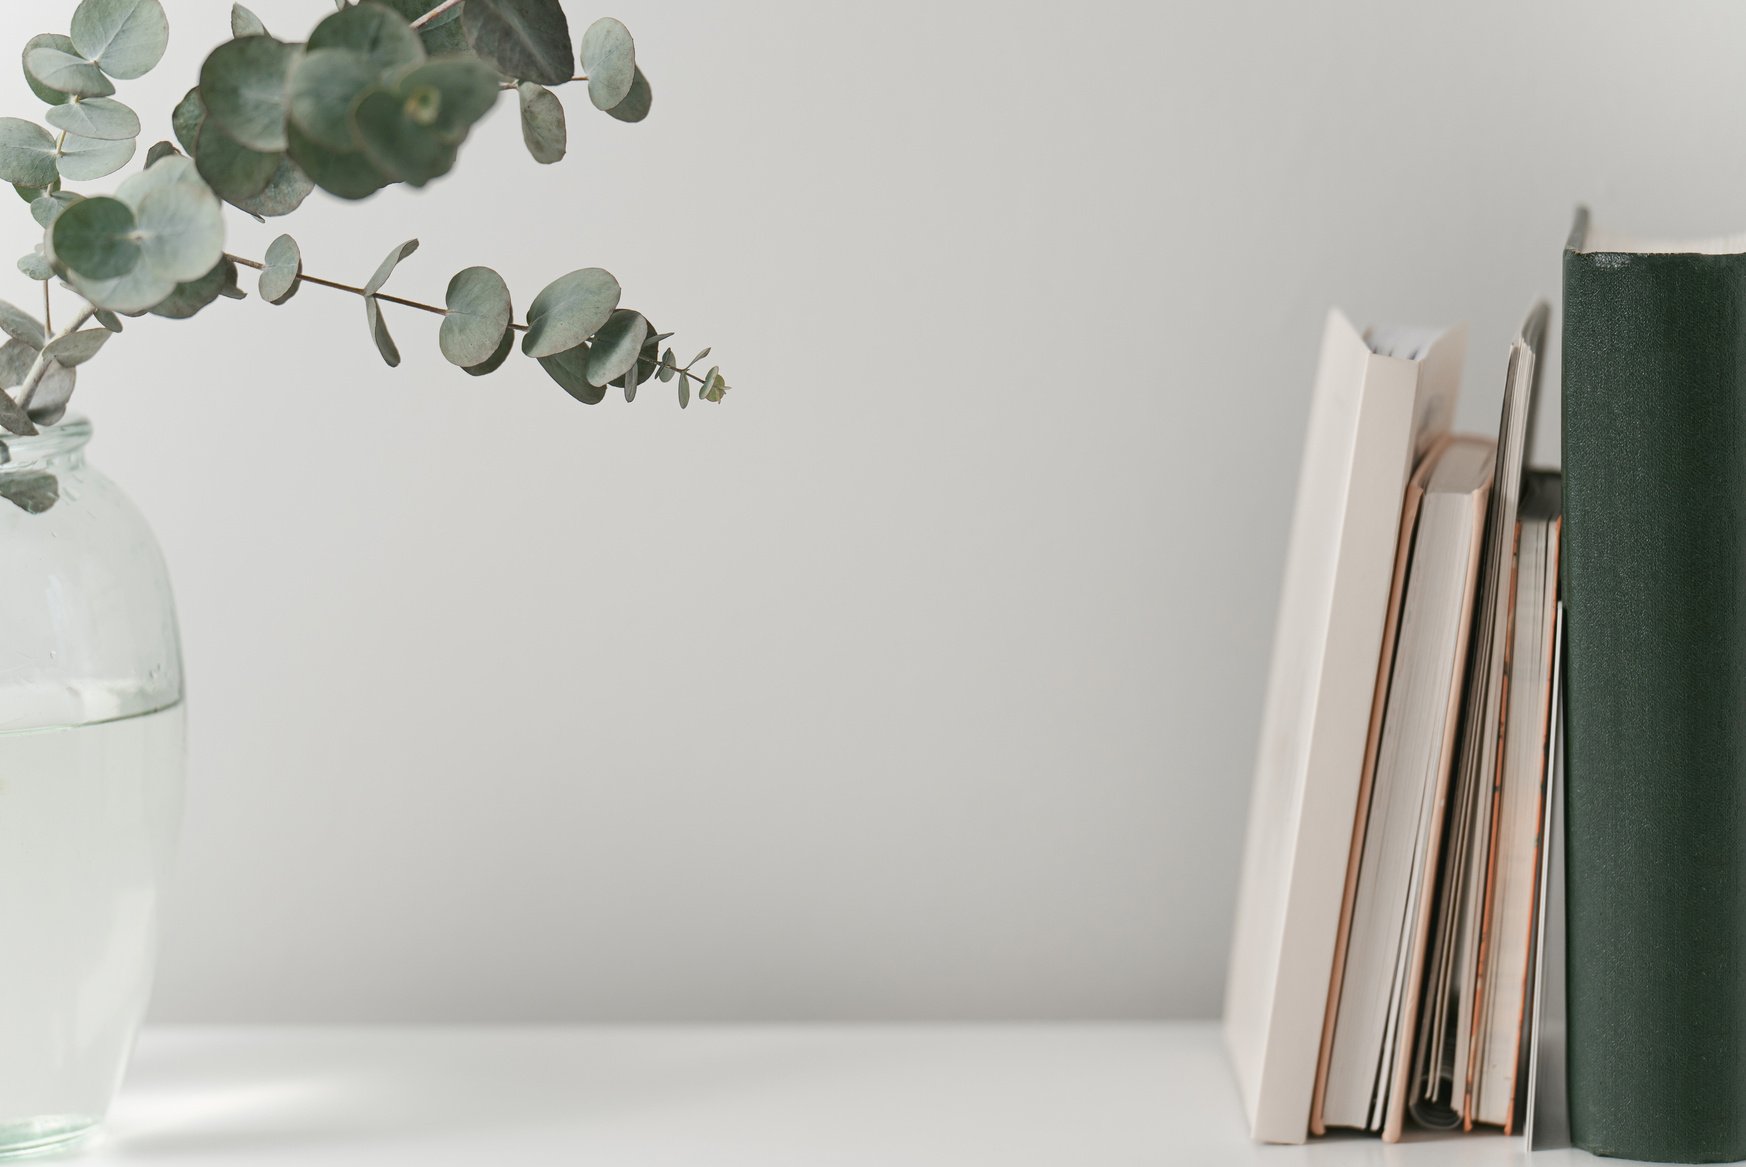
(435, 12)
(27, 388)
(302, 277)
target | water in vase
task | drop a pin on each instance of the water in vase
(88, 820)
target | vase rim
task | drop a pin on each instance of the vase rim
(49, 441)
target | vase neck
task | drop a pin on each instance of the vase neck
(60, 444)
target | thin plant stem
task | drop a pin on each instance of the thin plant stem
(400, 300)
(48, 320)
(435, 12)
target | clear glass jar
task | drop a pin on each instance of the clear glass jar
(91, 771)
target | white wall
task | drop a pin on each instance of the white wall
(920, 679)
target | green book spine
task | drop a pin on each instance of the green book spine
(1654, 581)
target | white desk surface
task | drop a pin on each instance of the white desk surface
(806, 1096)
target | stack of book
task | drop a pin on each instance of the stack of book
(1503, 755)
(1386, 947)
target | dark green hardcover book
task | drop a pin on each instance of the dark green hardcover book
(1654, 582)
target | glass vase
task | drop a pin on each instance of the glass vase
(91, 773)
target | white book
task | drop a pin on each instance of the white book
(1381, 400)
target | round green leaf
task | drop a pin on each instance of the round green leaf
(187, 118)
(528, 40)
(346, 174)
(496, 359)
(75, 348)
(66, 73)
(379, 332)
(180, 229)
(542, 123)
(45, 40)
(27, 153)
(479, 310)
(387, 266)
(232, 170)
(395, 143)
(445, 38)
(48, 208)
(82, 158)
(714, 388)
(465, 90)
(95, 117)
(570, 369)
(107, 319)
(609, 57)
(245, 23)
(324, 83)
(379, 33)
(189, 298)
(50, 403)
(21, 326)
(16, 357)
(125, 37)
(284, 192)
(96, 238)
(161, 150)
(243, 85)
(635, 107)
(284, 261)
(616, 346)
(35, 265)
(569, 310)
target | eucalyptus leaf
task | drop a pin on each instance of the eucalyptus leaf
(323, 85)
(124, 37)
(464, 89)
(445, 38)
(50, 403)
(284, 264)
(107, 319)
(684, 390)
(570, 370)
(346, 174)
(378, 32)
(479, 312)
(35, 265)
(714, 388)
(495, 361)
(189, 298)
(67, 73)
(667, 367)
(231, 169)
(180, 229)
(609, 57)
(569, 310)
(14, 418)
(31, 193)
(21, 325)
(96, 238)
(48, 208)
(243, 84)
(700, 355)
(284, 192)
(542, 123)
(27, 153)
(635, 107)
(16, 358)
(616, 346)
(95, 117)
(187, 118)
(161, 150)
(245, 23)
(82, 159)
(379, 332)
(396, 144)
(528, 40)
(31, 491)
(46, 40)
(387, 266)
(75, 348)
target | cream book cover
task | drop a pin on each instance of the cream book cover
(1381, 399)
